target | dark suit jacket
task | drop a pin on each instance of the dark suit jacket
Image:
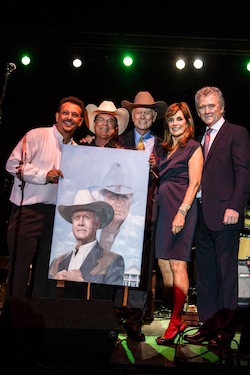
(127, 140)
(100, 266)
(226, 176)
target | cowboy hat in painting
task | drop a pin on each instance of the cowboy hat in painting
(85, 201)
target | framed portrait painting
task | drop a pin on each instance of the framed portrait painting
(100, 216)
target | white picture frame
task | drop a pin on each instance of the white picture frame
(86, 167)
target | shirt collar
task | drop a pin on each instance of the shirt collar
(58, 135)
(217, 125)
(147, 136)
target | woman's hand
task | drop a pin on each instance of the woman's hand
(178, 223)
(152, 161)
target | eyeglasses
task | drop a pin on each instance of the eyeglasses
(102, 120)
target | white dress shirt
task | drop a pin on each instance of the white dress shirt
(79, 256)
(39, 151)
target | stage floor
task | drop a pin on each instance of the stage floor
(180, 355)
(131, 357)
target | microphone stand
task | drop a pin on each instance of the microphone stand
(9, 70)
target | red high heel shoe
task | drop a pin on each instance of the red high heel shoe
(173, 333)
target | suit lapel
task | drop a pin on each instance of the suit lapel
(219, 138)
(91, 260)
(64, 264)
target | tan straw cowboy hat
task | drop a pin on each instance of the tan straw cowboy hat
(108, 107)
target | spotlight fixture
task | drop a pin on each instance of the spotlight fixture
(198, 63)
(25, 60)
(180, 64)
(77, 63)
(128, 60)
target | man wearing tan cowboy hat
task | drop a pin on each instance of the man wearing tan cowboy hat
(144, 111)
(88, 261)
(106, 122)
(106, 132)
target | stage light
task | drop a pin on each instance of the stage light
(180, 64)
(248, 66)
(77, 63)
(128, 60)
(198, 64)
(25, 60)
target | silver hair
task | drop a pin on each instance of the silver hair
(207, 90)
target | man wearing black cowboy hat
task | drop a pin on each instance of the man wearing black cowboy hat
(88, 261)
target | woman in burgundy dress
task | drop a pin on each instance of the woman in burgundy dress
(180, 171)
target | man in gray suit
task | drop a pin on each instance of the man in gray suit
(88, 261)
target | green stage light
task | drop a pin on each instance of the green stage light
(248, 66)
(128, 60)
(25, 60)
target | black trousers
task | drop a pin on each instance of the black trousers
(29, 237)
(217, 278)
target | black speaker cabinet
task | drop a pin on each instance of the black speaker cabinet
(243, 282)
(58, 331)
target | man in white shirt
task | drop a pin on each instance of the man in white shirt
(35, 165)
